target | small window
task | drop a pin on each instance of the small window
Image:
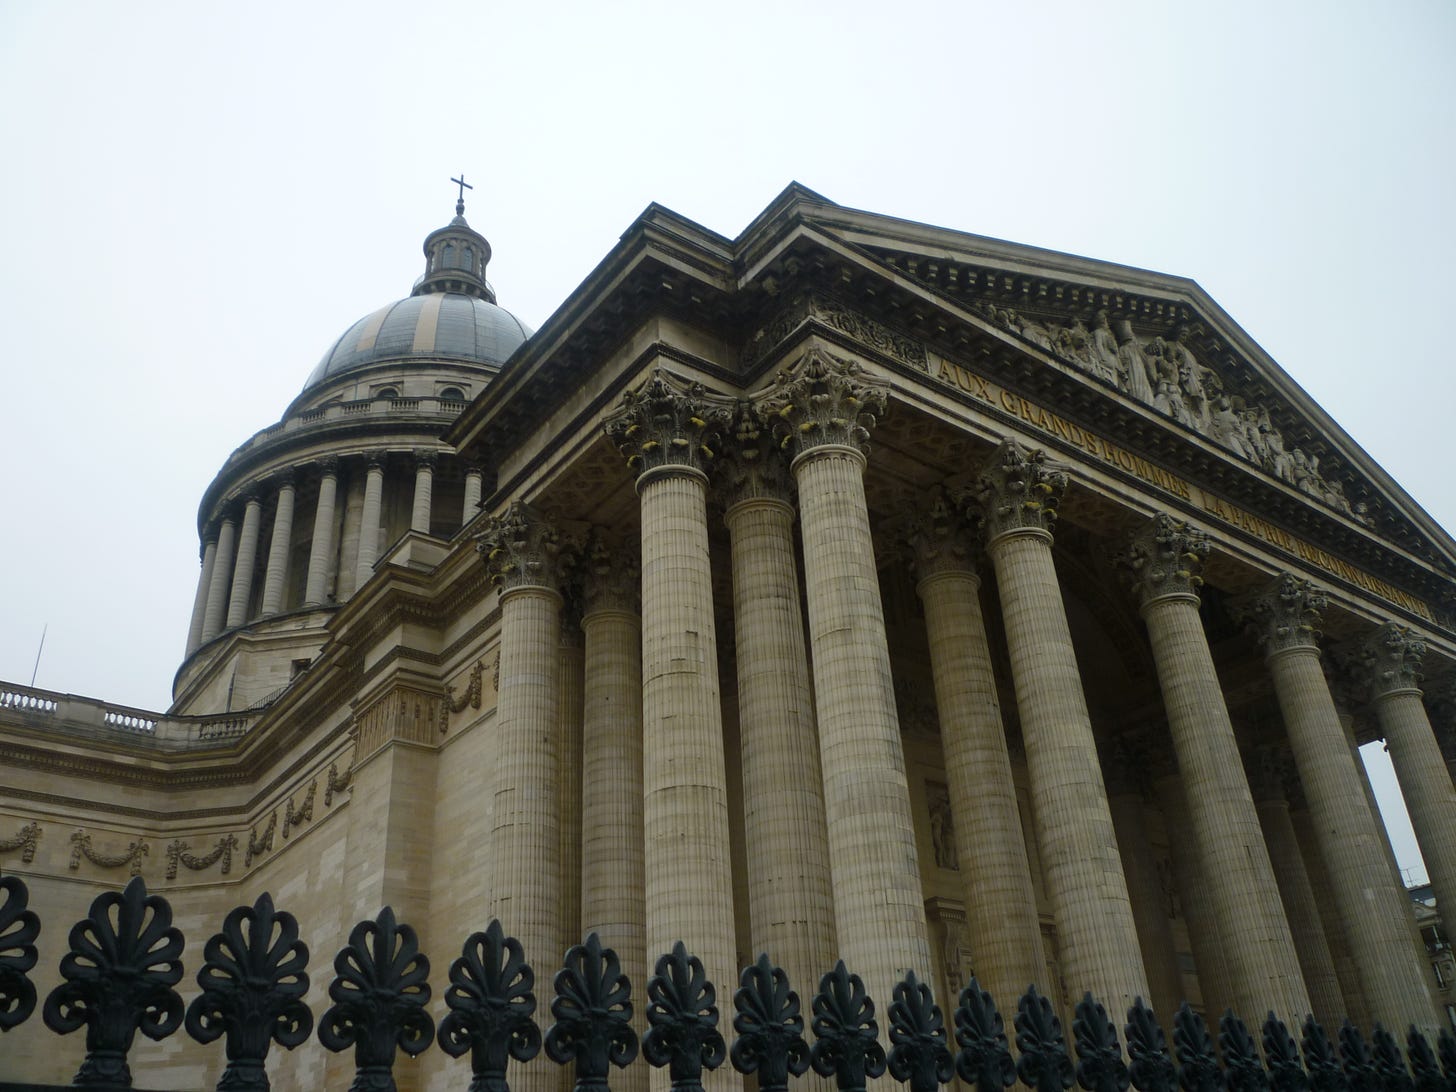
(452, 394)
(387, 392)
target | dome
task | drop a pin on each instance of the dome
(449, 325)
(450, 315)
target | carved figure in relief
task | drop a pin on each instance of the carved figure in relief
(1139, 375)
(1226, 425)
(942, 829)
(1306, 472)
(1190, 378)
(1277, 460)
(1032, 330)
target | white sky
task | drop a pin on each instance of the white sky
(196, 199)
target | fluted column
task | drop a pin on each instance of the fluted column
(222, 577)
(613, 883)
(321, 548)
(569, 732)
(1164, 563)
(1370, 905)
(242, 589)
(1018, 492)
(1266, 782)
(825, 405)
(1391, 661)
(368, 551)
(276, 575)
(522, 554)
(1193, 884)
(1441, 707)
(790, 900)
(1128, 789)
(204, 585)
(1000, 905)
(666, 428)
(471, 504)
(424, 489)
(1324, 899)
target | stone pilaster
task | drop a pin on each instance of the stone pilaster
(368, 551)
(1128, 789)
(1391, 663)
(825, 407)
(1164, 563)
(222, 576)
(471, 505)
(1018, 492)
(1000, 906)
(1270, 770)
(204, 585)
(275, 577)
(613, 882)
(522, 553)
(424, 489)
(1372, 909)
(242, 589)
(790, 899)
(321, 548)
(667, 430)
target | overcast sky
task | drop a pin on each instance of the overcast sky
(198, 199)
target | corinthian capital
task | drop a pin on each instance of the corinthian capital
(611, 575)
(822, 400)
(752, 464)
(668, 421)
(1285, 615)
(1390, 660)
(939, 536)
(1165, 557)
(521, 549)
(1019, 489)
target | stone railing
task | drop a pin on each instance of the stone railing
(68, 713)
(362, 407)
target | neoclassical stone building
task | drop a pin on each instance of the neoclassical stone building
(850, 588)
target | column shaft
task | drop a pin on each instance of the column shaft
(1429, 794)
(525, 849)
(1323, 888)
(685, 805)
(369, 526)
(791, 903)
(321, 549)
(222, 575)
(199, 602)
(1193, 884)
(424, 490)
(1000, 905)
(472, 497)
(1263, 967)
(242, 589)
(569, 732)
(1371, 909)
(1083, 871)
(613, 881)
(278, 552)
(1149, 905)
(878, 899)
(1326, 1001)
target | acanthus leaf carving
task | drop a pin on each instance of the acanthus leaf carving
(1164, 557)
(1019, 489)
(521, 548)
(823, 399)
(669, 421)
(1284, 615)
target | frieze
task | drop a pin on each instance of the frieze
(403, 713)
(259, 844)
(25, 840)
(304, 813)
(469, 698)
(133, 855)
(337, 782)
(854, 324)
(177, 855)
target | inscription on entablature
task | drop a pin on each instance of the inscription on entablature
(1103, 449)
(863, 329)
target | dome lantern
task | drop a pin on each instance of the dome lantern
(456, 256)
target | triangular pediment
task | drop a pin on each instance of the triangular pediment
(1159, 342)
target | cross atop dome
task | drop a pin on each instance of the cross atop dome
(464, 185)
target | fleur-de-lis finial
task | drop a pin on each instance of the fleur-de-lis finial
(18, 929)
(918, 1052)
(846, 1037)
(984, 1058)
(770, 1027)
(682, 1015)
(491, 1002)
(593, 1013)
